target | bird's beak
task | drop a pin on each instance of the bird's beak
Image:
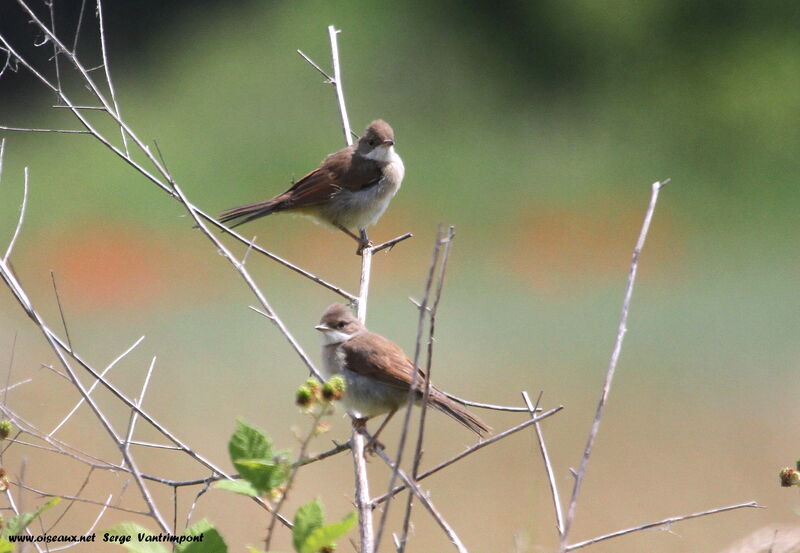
(322, 328)
(387, 143)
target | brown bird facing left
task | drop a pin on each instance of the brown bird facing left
(377, 373)
(350, 190)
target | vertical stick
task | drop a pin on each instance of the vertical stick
(612, 364)
(362, 498)
(337, 78)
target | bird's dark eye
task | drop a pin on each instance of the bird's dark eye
(340, 324)
(371, 142)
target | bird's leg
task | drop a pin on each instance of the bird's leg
(374, 443)
(349, 233)
(360, 426)
(363, 241)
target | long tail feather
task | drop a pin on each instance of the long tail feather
(249, 212)
(459, 413)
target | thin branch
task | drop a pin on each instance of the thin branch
(665, 522)
(43, 493)
(245, 274)
(612, 365)
(329, 79)
(324, 455)
(156, 446)
(58, 345)
(391, 243)
(103, 51)
(413, 388)
(362, 496)
(89, 108)
(21, 210)
(95, 383)
(193, 506)
(139, 401)
(103, 509)
(51, 5)
(426, 502)
(292, 475)
(437, 296)
(337, 83)
(62, 131)
(128, 159)
(489, 406)
(78, 27)
(551, 479)
(470, 450)
(61, 309)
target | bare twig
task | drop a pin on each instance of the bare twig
(78, 27)
(425, 501)
(413, 389)
(489, 406)
(470, 450)
(551, 479)
(665, 522)
(21, 210)
(26, 129)
(612, 365)
(391, 243)
(60, 309)
(107, 68)
(95, 383)
(292, 475)
(329, 79)
(337, 84)
(437, 296)
(324, 455)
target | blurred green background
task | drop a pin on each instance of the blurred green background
(536, 129)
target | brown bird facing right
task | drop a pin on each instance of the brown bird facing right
(377, 373)
(351, 189)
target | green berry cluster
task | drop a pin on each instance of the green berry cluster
(312, 392)
(790, 476)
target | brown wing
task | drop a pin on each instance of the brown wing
(335, 172)
(371, 354)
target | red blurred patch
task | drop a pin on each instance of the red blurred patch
(110, 266)
(562, 251)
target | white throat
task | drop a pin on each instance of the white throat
(383, 154)
(332, 337)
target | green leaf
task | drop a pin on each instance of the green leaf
(307, 519)
(212, 541)
(242, 487)
(6, 546)
(127, 535)
(327, 535)
(248, 442)
(252, 454)
(18, 523)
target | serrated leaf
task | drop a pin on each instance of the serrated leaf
(134, 545)
(212, 541)
(252, 454)
(249, 442)
(242, 487)
(327, 535)
(263, 474)
(307, 519)
(18, 523)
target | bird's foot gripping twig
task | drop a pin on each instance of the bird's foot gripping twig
(363, 242)
(373, 445)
